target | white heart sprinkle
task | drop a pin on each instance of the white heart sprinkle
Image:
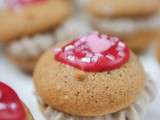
(70, 57)
(111, 57)
(70, 47)
(121, 54)
(121, 44)
(86, 59)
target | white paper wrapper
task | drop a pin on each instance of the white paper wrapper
(133, 112)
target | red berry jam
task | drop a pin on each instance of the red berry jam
(11, 107)
(94, 53)
(18, 4)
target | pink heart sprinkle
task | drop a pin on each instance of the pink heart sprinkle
(97, 44)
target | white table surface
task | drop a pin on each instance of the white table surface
(22, 84)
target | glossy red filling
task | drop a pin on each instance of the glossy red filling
(94, 53)
(18, 4)
(11, 107)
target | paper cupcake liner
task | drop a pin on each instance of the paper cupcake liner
(133, 112)
(32, 46)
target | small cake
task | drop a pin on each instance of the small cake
(94, 77)
(28, 26)
(158, 50)
(11, 107)
(136, 21)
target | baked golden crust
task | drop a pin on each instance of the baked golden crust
(32, 19)
(125, 8)
(158, 54)
(139, 42)
(158, 49)
(98, 94)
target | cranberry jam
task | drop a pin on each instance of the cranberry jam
(94, 53)
(11, 107)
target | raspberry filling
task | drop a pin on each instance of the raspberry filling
(94, 53)
(18, 4)
(11, 107)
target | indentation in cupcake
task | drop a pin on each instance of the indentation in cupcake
(94, 53)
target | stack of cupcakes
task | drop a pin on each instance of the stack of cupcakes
(89, 76)
(27, 28)
(94, 77)
(136, 21)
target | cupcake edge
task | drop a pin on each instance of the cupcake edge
(133, 112)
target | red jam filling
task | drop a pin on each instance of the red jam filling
(18, 4)
(94, 53)
(11, 107)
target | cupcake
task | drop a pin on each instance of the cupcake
(158, 50)
(11, 107)
(94, 77)
(158, 43)
(27, 28)
(136, 21)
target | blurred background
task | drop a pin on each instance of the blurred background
(30, 27)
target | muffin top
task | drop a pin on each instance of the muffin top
(11, 107)
(158, 50)
(21, 18)
(123, 8)
(82, 86)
